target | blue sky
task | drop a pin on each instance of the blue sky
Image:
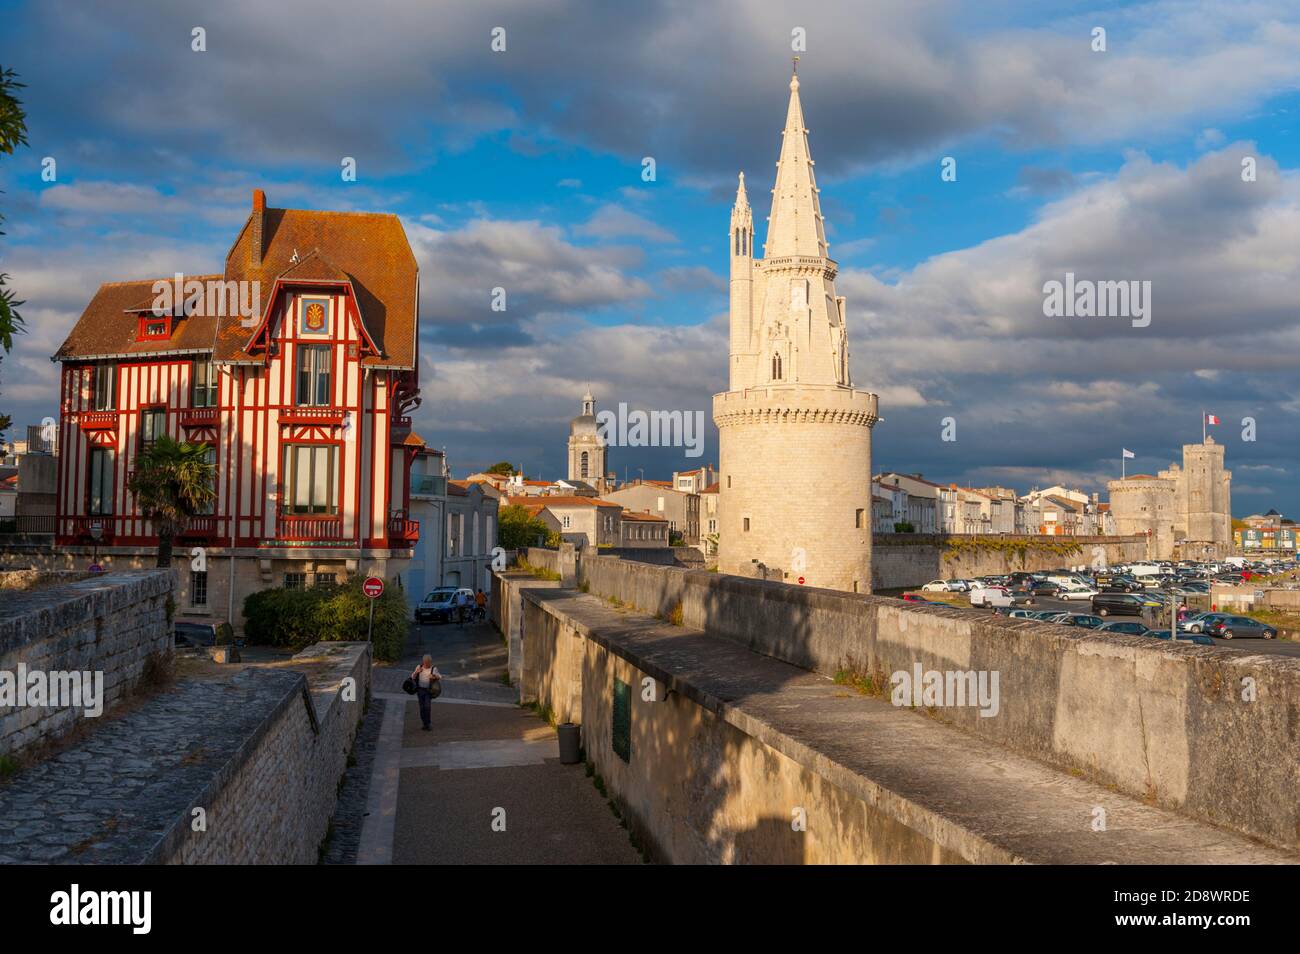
(523, 169)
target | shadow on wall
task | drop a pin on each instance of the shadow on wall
(696, 789)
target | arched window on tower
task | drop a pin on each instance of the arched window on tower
(584, 465)
(776, 367)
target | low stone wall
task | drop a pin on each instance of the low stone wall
(911, 559)
(715, 753)
(1199, 729)
(272, 802)
(237, 768)
(507, 609)
(111, 624)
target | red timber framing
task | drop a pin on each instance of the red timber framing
(257, 415)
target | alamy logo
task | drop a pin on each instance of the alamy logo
(1088, 299)
(75, 907)
(213, 298)
(26, 688)
(948, 689)
(652, 429)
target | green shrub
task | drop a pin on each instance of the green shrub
(296, 618)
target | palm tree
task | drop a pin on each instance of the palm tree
(173, 481)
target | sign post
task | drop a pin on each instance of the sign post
(373, 588)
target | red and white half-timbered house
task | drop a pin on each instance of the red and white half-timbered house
(296, 367)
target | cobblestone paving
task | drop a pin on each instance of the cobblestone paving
(110, 797)
(350, 812)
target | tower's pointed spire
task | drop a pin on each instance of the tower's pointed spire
(795, 225)
(742, 198)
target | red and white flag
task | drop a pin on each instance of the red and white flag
(1211, 419)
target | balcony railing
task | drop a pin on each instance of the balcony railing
(203, 527)
(308, 528)
(97, 420)
(402, 530)
(312, 415)
(43, 523)
(83, 526)
(198, 417)
(428, 485)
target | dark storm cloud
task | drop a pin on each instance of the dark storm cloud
(691, 84)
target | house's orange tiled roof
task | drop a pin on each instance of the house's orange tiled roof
(110, 323)
(363, 251)
(371, 252)
(711, 489)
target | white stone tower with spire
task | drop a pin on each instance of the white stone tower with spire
(795, 435)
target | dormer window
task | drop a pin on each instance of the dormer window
(153, 328)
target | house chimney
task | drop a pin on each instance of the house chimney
(259, 214)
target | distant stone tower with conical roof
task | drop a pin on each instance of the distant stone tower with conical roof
(795, 435)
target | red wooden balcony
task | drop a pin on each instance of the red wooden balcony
(312, 415)
(97, 420)
(199, 417)
(308, 528)
(402, 531)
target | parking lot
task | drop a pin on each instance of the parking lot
(1276, 647)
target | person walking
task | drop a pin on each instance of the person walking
(427, 679)
(462, 604)
(480, 604)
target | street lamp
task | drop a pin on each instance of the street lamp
(96, 533)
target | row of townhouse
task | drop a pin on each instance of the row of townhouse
(687, 503)
(910, 503)
(296, 367)
(595, 522)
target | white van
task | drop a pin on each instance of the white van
(991, 596)
(1139, 570)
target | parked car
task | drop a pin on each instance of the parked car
(1230, 627)
(1197, 622)
(1021, 614)
(1075, 591)
(1181, 638)
(938, 586)
(1083, 620)
(1127, 626)
(201, 633)
(439, 605)
(1122, 604)
(1117, 583)
(1043, 588)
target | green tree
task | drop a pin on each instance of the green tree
(504, 468)
(13, 133)
(173, 482)
(517, 528)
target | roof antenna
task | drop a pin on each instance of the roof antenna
(294, 260)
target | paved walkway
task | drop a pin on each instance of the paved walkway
(440, 797)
